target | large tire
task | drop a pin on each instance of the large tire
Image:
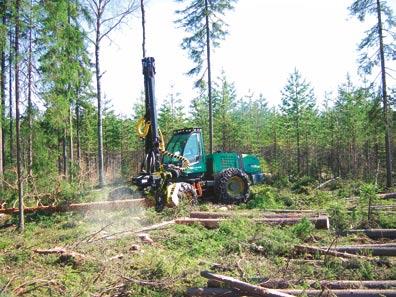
(232, 186)
(186, 193)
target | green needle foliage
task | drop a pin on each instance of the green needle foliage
(192, 19)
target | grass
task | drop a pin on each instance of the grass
(173, 263)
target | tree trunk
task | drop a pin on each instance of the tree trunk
(30, 106)
(387, 114)
(71, 153)
(10, 95)
(21, 222)
(99, 99)
(2, 91)
(64, 153)
(78, 127)
(209, 78)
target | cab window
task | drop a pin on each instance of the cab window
(192, 149)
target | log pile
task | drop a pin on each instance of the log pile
(221, 285)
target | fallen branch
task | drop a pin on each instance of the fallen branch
(99, 205)
(322, 185)
(242, 286)
(321, 222)
(64, 253)
(326, 251)
(375, 233)
(154, 284)
(144, 229)
(22, 289)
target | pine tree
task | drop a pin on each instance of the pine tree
(297, 102)
(203, 19)
(374, 52)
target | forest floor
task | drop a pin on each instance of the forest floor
(110, 262)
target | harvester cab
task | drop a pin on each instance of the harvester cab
(182, 170)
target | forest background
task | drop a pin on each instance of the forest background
(60, 135)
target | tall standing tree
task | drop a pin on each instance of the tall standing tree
(21, 222)
(107, 15)
(297, 102)
(377, 47)
(203, 20)
(3, 42)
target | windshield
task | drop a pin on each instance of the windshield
(187, 145)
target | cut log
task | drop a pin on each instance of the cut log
(215, 292)
(326, 251)
(99, 205)
(387, 195)
(389, 251)
(375, 233)
(321, 222)
(341, 293)
(330, 284)
(295, 211)
(216, 215)
(245, 288)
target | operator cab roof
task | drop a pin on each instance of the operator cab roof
(187, 130)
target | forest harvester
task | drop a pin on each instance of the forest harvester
(182, 170)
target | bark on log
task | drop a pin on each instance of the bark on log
(375, 233)
(330, 284)
(100, 205)
(245, 288)
(321, 222)
(342, 293)
(326, 251)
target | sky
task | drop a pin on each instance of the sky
(267, 40)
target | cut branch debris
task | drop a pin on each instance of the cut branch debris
(64, 253)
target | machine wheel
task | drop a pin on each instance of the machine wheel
(232, 186)
(184, 192)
